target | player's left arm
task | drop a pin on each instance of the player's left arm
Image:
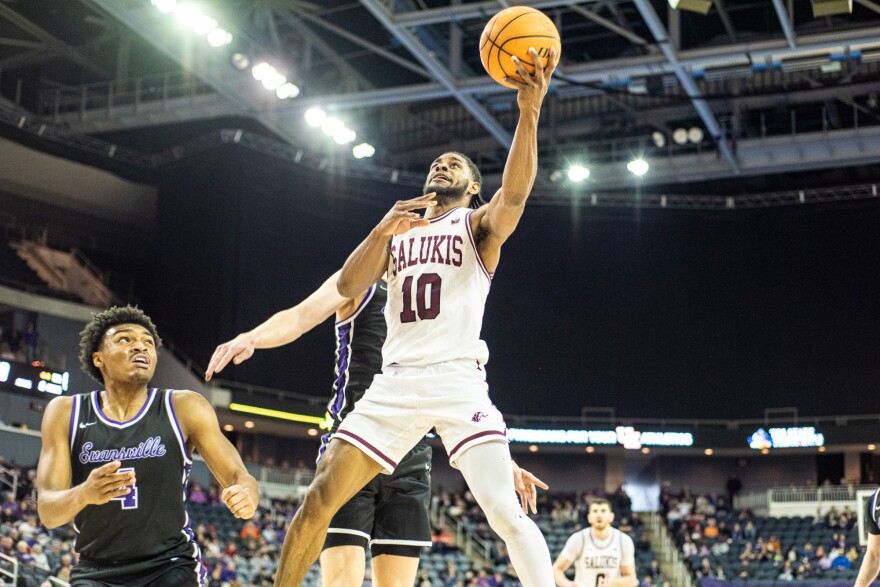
(627, 576)
(202, 432)
(496, 221)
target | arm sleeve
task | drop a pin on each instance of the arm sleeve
(573, 547)
(872, 512)
(627, 550)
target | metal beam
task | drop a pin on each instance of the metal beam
(11, 42)
(470, 11)
(56, 45)
(601, 20)
(784, 20)
(725, 19)
(869, 5)
(373, 48)
(34, 57)
(413, 45)
(687, 81)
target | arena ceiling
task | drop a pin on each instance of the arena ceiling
(771, 89)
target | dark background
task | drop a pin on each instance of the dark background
(656, 313)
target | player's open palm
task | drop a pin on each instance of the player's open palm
(104, 484)
(403, 216)
(238, 350)
(242, 501)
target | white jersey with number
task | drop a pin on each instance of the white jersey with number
(437, 288)
(594, 559)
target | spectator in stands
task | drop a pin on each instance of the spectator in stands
(711, 530)
(29, 341)
(64, 568)
(749, 532)
(719, 573)
(839, 560)
(23, 553)
(197, 494)
(823, 559)
(705, 568)
(787, 573)
(745, 570)
(852, 554)
(807, 553)
(40, 558)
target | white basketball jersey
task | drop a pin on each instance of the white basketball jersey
(437, 288)
(594, 560)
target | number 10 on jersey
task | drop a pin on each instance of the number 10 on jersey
(427, 298)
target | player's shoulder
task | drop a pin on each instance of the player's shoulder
(58, 413)
(186, 398)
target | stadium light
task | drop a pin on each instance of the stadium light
(578, 173)
(638, 167)
(680, 136)
(363, 150)
(695, 135)
(187, 14)
(315, 116)
(165, 6)
(273, 80)
(261, 70)
(239, 60)
(331, 126)
(288, 90)
(344, 136)
(659, 139)
(203, 24)
(218, 37)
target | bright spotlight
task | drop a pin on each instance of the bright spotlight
(315, 116)
(261, 70)
(331, 126)
(203, 24)
(363, 150)
(187, 14)
(344, 136)
(274, 80)
(638, 167)
(578, 173)
(695, 135)
(288, 90)
(659, 139)
(239, 61)
(217, 37)
(680, 136)
(165, 6)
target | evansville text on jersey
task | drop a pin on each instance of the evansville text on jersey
(436, 248)
(150, 448)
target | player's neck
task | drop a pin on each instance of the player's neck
(122, 402)
(601, 535)
(445, 204)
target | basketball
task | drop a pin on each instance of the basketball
(511, 32)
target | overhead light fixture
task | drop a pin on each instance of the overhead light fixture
(313, 432)
(831, 7)
(578, 173)
(659, 139)
(165, 6)
(638, 167)
(261, 70)
(273, 80)
(239, 61)
(344, 136)
(680, 136)
(228, 427)
(701, 6)
(218, 37)
(708, 452)
(331, 126)
(533, 448)
(695, 135)
(202, 24)
(288, 90)
(315, 116)
(363, 150)
(187, 14)
(249, 424)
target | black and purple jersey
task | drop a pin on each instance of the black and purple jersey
(151, 521)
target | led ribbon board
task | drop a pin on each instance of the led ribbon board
(627, 436)
(796, 437)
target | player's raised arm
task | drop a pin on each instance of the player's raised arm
(202, 432)
(283, 327)
(499, 218)
(369, 260)
(58, 503)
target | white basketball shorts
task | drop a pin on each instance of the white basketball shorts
(404, 403)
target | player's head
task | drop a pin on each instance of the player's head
(119, 343)
(453, 176)
(601, 514)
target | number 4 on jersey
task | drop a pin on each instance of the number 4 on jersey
(427, 302)
(128, 501)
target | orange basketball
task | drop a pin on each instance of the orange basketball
(511, 32)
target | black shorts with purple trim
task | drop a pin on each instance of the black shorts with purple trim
(174, 571)
(390, 514)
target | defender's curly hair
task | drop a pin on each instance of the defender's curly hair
(91, 335)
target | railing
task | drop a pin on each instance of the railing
(9, 477)
(681, 576)
(5, 572)
(293, 478)
(820, 494)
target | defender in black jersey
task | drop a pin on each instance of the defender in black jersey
(116, 462)
(390, 514)
(871, 563)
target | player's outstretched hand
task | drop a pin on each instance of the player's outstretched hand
(242, 501)
(526, 485)
(104, 484)
(402, 216)
(238, 350)
(532, 87)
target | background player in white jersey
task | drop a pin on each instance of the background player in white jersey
(390, 514)
(603, 556)
(438, 269)
(871, 563)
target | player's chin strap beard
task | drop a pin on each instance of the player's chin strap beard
(445, 194)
